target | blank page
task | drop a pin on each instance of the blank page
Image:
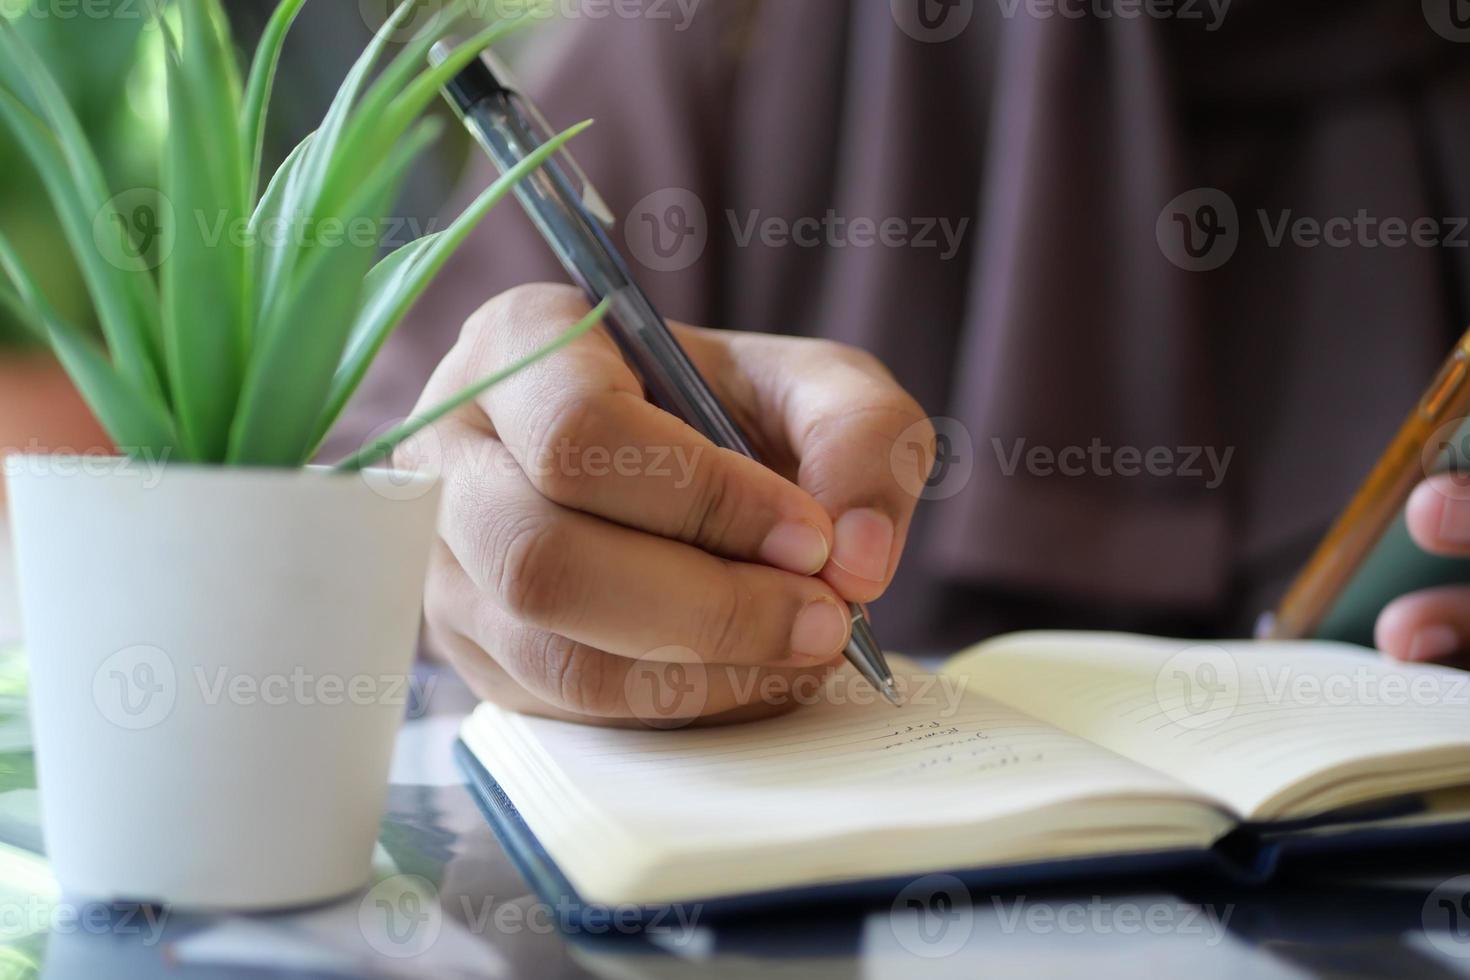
(1273, 729)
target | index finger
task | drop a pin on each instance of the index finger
(579, 427)
(838, 413)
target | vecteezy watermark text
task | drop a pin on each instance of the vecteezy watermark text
(141, 227)
(35, 914)
(832, 230)
(1100, 460)
(35, 460)
(424, 455)
(147, 11)
(1203, 686)
(302, 687)
(1100, 916)
(670, 687)
(1363, 229)
(935, 917)
(138, 688)
(670, 229)
(403, 916)
(680, 13)
(1201, 229)
(1211, 13)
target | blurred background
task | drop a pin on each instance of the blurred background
(1089, 295)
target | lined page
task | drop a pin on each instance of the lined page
(1273, 729)
(831, 772)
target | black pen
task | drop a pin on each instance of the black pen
(575, 222)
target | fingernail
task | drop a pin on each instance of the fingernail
(820, 631)
(1454, 520)
(797, 547)
(864, 544)
(1433, 643)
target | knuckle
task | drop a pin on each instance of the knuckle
(525, 564)
(884, 396)
(563, 433)
(857, 357)
(514, 301)
(480, 330)
(475, 533)
(489, 327)
(829, 350)
(879, 419)
(835, 352)
(723, 628)
(467, 519)
(891, 410)
(713, 507)
(580, 678)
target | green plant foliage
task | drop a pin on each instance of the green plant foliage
(267, 309)
(111, 93)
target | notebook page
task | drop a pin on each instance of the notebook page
(831, 772)
(1273, 729)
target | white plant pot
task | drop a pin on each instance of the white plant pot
(219, 666)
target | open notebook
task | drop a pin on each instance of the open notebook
(1034, 755)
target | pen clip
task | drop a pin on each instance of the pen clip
(588, 194)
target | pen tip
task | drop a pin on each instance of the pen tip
(866, 655)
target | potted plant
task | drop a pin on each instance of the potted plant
(220, 634)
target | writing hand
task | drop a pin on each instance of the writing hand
(586, 534)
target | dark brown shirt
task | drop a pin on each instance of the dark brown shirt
(1157, 428)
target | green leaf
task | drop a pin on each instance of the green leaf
(393, 79)
(380, 448)
(301, 342)
(410, 61)
(247, 347)
(397, 282)
(303, 190)
(205, 299)
(385, 116)
(268, 208)
(132, 419)
(258, 89)
(214, 75)
(426, 87)
(269, 220)
(121, 287)
(23, 314)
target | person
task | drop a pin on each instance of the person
(1073, 256)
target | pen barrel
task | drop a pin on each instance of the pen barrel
(583, 247)
(589, 256)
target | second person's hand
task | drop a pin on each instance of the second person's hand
(1433, 625)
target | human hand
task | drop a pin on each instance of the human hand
(1433, 624)
(590, 541)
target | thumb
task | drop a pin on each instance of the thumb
(842, 420)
